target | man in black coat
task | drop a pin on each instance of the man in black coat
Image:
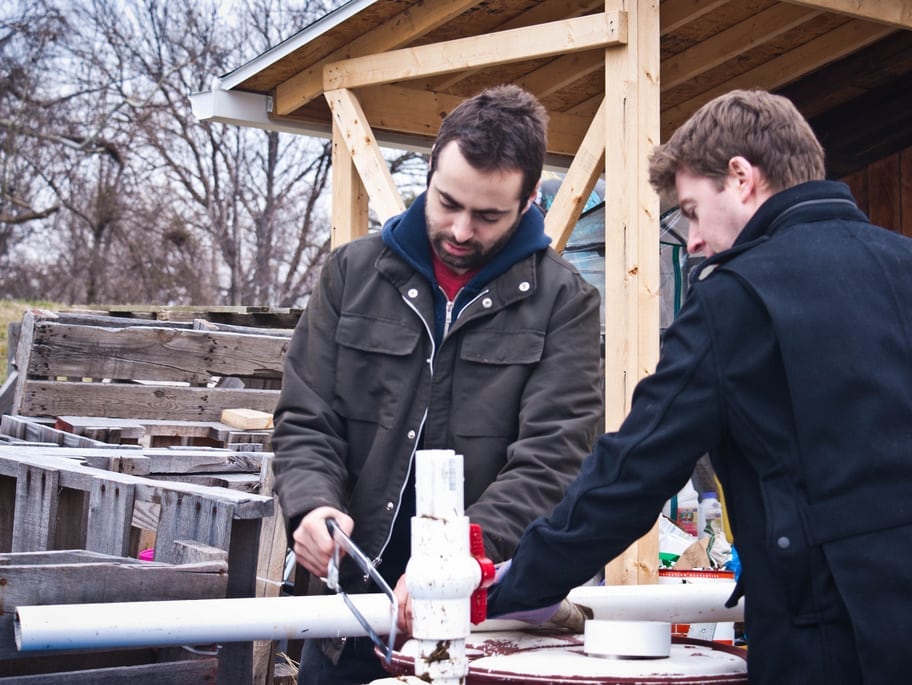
(791, 364)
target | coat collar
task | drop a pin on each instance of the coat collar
(816, 200)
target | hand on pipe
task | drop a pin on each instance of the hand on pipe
(404, 619)
(313, 545)
(564, 614)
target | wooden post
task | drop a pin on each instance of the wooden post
(573, 192)
(631, 239)
(349, 197)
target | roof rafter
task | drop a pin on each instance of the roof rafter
(562, 71)
(777, 72)
(756, 30)
(401, 29)
(678, 13)
(896, 13)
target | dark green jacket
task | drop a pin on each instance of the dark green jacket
(514, 387)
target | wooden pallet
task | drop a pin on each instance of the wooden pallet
(143, 396)
(142, 371)
(79, 576)
(165, 433)
(247, 316)
(51, 500)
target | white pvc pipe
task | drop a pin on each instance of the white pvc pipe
(673, 603)
(196, 621)
(207, 621)
(441, 574)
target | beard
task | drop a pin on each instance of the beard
(478, 253)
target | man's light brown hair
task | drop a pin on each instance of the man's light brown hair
(766, 129)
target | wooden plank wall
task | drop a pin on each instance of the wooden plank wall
(883, 190)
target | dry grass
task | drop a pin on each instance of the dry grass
(11, 311)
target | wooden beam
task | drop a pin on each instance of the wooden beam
(895, 13)
(561, 72)
(411, 23)
(782, 70)
(514, 45)
(349, 197)
(587, 107)
(412, 111)
(758, 29)
(678, 13)
(587, 166)
(631, 239)
(539, 14)
(357, 136)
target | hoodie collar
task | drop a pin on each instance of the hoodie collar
(406, 235)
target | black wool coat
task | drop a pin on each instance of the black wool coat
(791, 364)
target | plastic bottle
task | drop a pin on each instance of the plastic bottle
(683, 509)
(710, 515)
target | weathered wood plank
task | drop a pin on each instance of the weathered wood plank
(88, 318)
(191, 517)
(7, 510)
(109, 517)
(188, 461)
(36, 507)
(243, 482)
(151, 353)
(205, 325)
(107, 429)
(23, 357)
(78, 477)
(183, 672)
(49, 398)
(31, 431)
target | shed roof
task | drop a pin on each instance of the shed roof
(847, 64)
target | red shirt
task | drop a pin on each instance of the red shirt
(449, 280)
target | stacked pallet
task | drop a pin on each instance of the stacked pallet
(125, 435)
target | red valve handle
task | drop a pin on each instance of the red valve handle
(479, 599)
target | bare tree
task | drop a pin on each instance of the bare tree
(125, 195)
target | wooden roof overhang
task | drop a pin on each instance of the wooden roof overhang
(615, 75)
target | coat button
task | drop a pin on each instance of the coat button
(524, 286)
(784, 542)
(413, 293)
(411, 435)
(487, 303)
(390, 506)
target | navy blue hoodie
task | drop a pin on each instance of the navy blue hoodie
(406, 235)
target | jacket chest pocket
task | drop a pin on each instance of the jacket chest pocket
(376, 371)
(490, 379)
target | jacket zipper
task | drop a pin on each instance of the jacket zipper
(448, 317)
(379, 558)
(427, 329)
